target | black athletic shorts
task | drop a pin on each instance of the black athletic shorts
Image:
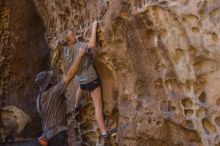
(91, 86)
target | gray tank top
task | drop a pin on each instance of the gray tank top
(86, 72)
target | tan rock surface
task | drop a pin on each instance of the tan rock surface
(23, 53)
(159, 65)
(13, 120)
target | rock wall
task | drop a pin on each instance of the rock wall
(23, 53)
(158, 61)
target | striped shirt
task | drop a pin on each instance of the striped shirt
(52, 105)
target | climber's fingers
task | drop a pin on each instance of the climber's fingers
(85, 31)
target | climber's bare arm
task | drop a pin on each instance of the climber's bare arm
(92, 40)
(74, 68)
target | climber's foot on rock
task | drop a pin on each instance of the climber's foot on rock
(77, 108)
(112, 132)
(109, 133)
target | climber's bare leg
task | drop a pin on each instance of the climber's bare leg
(97, 99)
(79, 95)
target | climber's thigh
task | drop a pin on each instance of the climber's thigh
(59, 140)
(97, 97)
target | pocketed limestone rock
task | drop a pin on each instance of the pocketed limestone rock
(158, 61)
(13, 121)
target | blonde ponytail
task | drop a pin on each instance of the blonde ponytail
(57, 53)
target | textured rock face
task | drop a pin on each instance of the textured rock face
(13, 121)
(23, 53)
(159, 65)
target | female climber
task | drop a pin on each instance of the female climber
(86, 75)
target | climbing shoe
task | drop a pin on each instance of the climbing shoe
(109, 133)
(77, 109)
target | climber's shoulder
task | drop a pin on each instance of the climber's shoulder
(82, 44)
